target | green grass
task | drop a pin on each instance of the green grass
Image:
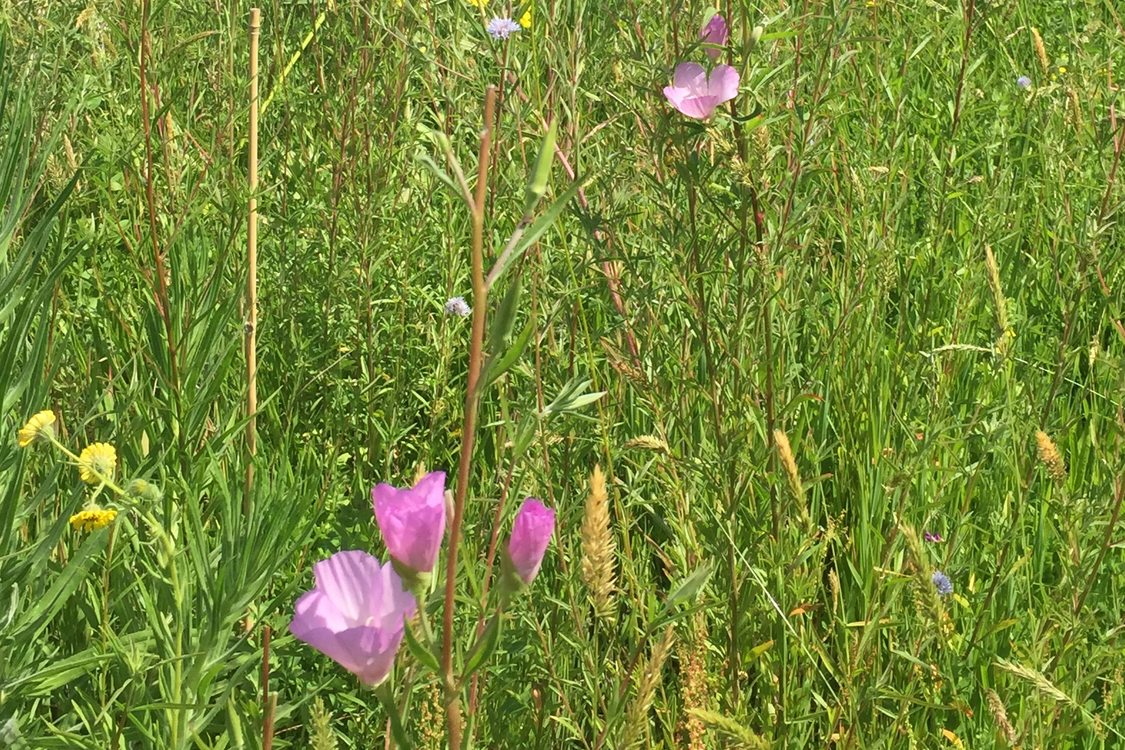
(887, 146)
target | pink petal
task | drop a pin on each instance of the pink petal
(345, 579)
(690, 76)
(674, 95)
(371, 651)
(324, 641)
(723, 83)
(698, 107)
(394, 601)
(315, 610)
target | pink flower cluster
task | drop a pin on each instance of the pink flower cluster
(697, 92)
(357, 611)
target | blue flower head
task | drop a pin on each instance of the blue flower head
(942, 583)
(457, 306)
(502, 28)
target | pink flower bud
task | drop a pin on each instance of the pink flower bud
(715, 34)
(531, 532)
(412, 521)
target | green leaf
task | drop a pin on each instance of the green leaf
(536, 230)
(62, 589)
(537, 185)
(420, 652)
(501, 366)
(505, 318)
(483, 648)
(439, 173)
(398, 731)
(689, 587)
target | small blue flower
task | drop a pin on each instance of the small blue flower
(457, 306)
(942, 583)
(1023, 82)
(502, 28)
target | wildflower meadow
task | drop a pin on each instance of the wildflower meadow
(547, 374)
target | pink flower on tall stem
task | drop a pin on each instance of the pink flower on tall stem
(696, 94)
(355, 614)
(531, 533)
(714, 35)
(412, 521)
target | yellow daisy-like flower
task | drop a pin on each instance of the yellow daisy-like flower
(96, 462)
(40, 426)
(92, 519)
(525, 19)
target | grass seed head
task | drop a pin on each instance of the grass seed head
(598, 546)
(1049, 455)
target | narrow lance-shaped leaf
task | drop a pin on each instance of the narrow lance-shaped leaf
(505, 318)
(534, 232)
(484, 646)
(537, 185)
(420, 652)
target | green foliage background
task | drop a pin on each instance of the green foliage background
(888, 145)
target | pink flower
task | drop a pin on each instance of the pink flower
(355, 614)
(714, 35)
(531, 532)
(696, 94)
(412, 521)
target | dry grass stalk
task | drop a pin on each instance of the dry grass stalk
(999, 301)
(789, 463)
(1040, 50)
(1000, 715)
(1049, 455)
(648, 442)
(598, 547)
(693, 685)
(636, 718)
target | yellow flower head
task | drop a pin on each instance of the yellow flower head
(525, 19)
(92, 519)
(478, 3)
(39, 427)
(97, 462)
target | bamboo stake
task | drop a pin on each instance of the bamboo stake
(252, 268)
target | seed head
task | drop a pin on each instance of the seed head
(598, 546)
(1040, 50)
(1050, 456)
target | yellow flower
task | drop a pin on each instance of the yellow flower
(1062, 69)
(477, 3)
(41, 426)
(92, 519)
(525, 19)
(97, 462)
